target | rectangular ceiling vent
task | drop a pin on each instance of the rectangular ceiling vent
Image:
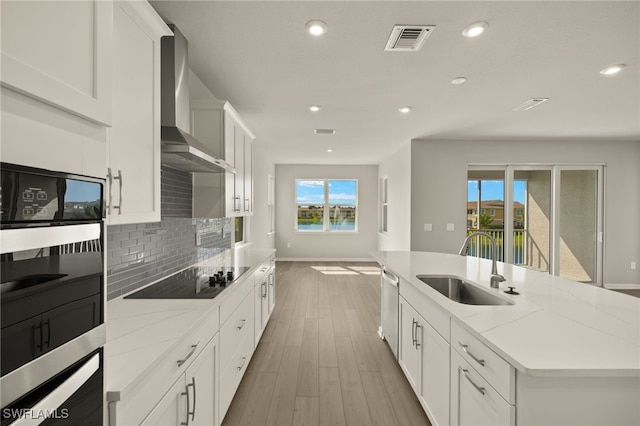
(324, 131)
(531, 103)
(408, 38)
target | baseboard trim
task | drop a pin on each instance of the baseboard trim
(326, 259)
(622, 286)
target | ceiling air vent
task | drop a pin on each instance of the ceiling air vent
(408, 38)
(324, 131)
(531, 103)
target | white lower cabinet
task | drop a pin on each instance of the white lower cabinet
(409, 350)
(237, 343)
(263, 298)
(473, 400)
(424, 357)
(192, 399)
(434, 392)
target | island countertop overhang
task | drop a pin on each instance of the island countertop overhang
(556, 327)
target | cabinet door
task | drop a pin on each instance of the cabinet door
(134, 140)
(239, 138)
(201, 384)
(261, 308)
(248, 175)
(21, 343)
(232, 199)
(60, 53)
(209, 198)
(409, 351)
(435, 374)
(473, 400)
(272, 290)
(171, 410)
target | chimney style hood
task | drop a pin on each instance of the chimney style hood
(180, 150)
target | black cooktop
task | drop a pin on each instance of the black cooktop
(192, 283)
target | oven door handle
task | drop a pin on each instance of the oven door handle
(55, 399)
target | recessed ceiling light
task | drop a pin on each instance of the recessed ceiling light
(459, 80)
(316, 27)
(475, 29)
(405, 109)
(614, 69)
(329, 150)
(314, 108)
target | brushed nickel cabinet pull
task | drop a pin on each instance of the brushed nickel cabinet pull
(193, 349)
(465, 348)
(479, 388)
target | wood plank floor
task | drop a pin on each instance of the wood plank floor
(320, 360)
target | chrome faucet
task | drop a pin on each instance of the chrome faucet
(496, 278)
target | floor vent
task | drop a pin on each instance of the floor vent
(408, 38)
(531, 103)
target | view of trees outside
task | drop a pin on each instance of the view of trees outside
(485, 212)
(326, 204)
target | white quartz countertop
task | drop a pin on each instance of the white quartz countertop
(141, 331)
(557, 327)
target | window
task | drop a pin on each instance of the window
(325, 205)
(492, 212)
(238, 233)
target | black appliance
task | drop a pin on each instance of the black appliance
(52, 295)
(192, 283)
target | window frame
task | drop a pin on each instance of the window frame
(326, 207)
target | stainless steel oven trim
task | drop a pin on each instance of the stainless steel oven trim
(31, 375)
(34, 238)
(54, 400)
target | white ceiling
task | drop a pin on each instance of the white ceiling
(257, 55)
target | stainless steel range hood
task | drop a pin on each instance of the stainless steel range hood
(180, 150)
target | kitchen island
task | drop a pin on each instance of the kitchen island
(563, 352)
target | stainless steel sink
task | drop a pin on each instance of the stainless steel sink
(461, 291)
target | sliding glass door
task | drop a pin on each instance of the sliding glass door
(544, 217)
(578, 234)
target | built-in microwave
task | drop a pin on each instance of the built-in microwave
(52, 288)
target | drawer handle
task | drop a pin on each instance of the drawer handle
(241, 326)
(193, 349)
(191, 413)
(244, 359)
(479, 388)
(466, 350)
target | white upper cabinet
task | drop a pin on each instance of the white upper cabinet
(219, 127)
(133, 174)
(59, 52)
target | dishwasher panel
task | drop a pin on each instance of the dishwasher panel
(389, 310)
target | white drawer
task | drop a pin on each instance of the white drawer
(241, 288)
(232, 332)
(262, 270)
(436, 316)
(474, 400)
(495, 370)
(232, 375)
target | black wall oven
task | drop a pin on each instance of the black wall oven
(52, 296)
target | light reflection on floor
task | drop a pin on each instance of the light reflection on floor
(348, 270)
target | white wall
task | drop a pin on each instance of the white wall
(326, 246)
(259, 223)
(397, 170)
(439, 191)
